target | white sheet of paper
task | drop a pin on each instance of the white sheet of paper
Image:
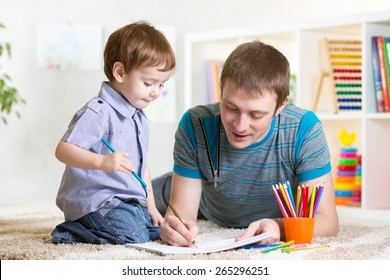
(203, 248)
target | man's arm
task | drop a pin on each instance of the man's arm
(185, 197)
(326, 218)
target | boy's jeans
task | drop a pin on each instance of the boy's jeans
(117, 222)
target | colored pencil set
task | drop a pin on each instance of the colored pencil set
(287, 247)
(306, 204)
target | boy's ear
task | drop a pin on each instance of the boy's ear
(118, 71)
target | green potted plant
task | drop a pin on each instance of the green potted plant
(9, 95)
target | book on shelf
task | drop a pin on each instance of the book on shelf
(213, 71)
(382, 70)
(377, 76)
(386, 53)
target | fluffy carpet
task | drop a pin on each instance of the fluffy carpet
(28, 238)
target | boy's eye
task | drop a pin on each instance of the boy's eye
(147, 84)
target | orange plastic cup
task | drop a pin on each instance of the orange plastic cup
(299, 229)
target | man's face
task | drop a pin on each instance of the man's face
(245, 117)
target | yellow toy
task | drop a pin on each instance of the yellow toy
(345, 138)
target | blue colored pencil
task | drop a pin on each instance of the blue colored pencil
(134, 173)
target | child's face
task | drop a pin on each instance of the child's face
(142, 86)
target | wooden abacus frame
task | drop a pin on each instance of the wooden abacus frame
(343, 56)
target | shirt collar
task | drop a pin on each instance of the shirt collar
(118, 102)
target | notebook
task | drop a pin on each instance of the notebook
(202, 248)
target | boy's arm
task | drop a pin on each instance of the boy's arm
(75, 156)
(152, 209)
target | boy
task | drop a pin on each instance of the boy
(100, 195)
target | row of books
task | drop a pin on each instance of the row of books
(381, 70)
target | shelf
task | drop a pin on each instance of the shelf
(302, 44)
(346, 212)
(341, 116)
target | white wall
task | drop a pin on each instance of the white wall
(28, 168)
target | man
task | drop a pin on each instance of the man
(228, 155)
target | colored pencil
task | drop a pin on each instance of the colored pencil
(291, 195)
(305, 190)
(260, 246)
(306, 204)
(178, 216)
(283, 245)
(306, 248)
(290, 200)
(281, 206)
(312, 198)
(287, 199)
(134, 173)
(319, 196)
(298, 205)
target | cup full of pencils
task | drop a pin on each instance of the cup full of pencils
(299, 229)
(299, 211)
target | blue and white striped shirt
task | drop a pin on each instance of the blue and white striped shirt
(295, 149)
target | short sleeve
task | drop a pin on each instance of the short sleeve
(312, 152)
(86, 127)
(185, 150)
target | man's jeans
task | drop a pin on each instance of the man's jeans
(117, 222)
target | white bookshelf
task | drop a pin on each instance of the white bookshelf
(301, 42)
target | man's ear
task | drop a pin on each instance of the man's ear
(281, 107)
(118, 71)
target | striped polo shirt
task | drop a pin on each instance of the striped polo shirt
(294, 149)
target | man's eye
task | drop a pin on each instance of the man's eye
(257, 117)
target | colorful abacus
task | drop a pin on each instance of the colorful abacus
(346, 66)
(344, 70)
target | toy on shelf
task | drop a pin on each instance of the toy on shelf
(357, 190)
(348, 178)
(344, 72)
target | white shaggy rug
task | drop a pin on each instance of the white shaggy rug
(27, 237)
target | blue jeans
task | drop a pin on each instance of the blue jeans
(117, 222)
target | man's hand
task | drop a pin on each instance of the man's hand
(262, 226)
(175, 233)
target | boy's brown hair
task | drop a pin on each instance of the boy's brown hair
(258, 68)
(138, 45)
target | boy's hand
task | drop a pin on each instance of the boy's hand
(118, 161)
(157, 219)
